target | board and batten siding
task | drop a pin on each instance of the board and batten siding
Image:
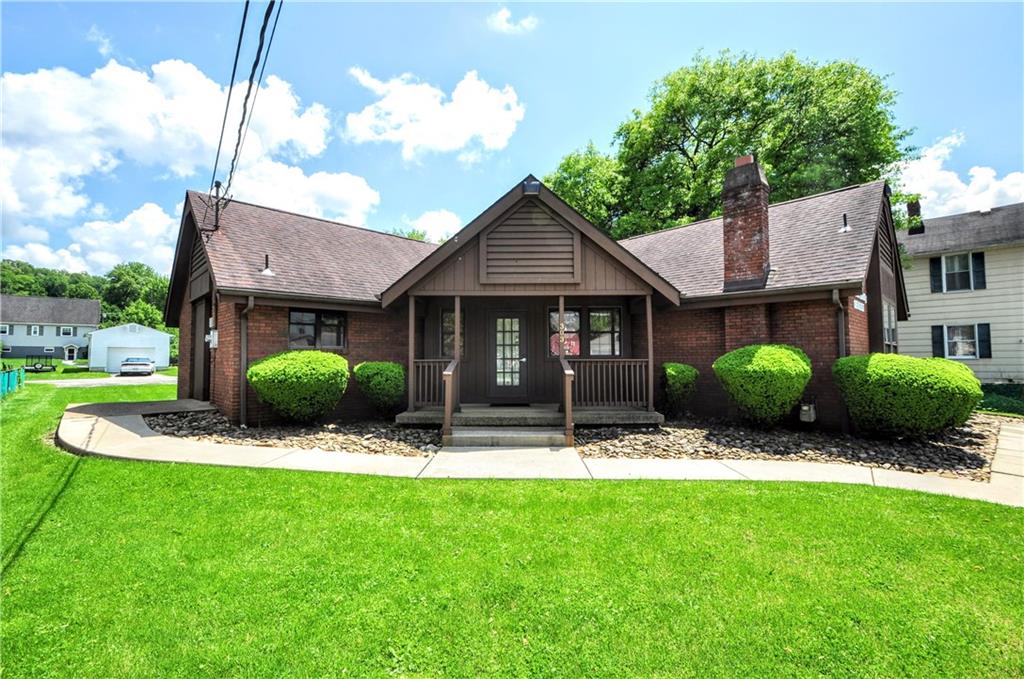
(1000, 304)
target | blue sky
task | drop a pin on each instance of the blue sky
(98, 154)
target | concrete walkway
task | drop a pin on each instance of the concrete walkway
(109, 381)
(118, 430)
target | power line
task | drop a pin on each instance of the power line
(259, 81)
(231, 86)
(248, 92)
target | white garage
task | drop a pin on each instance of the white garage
(109, 346)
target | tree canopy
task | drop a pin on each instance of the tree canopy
(813, 127)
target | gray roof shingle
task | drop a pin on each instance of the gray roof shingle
(308, 255)
(806, 246)
(998, 226)
(54, 310)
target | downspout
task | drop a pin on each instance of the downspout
(243, 362)
(840, 323)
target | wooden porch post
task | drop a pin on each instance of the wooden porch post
(456, 386)
(561, 326)
(650, 356)
(412, 354)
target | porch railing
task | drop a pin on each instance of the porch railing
(568, 375)
(450, 378)
(428, 386)
(610, 382)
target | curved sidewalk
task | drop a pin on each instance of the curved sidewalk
(118, 430)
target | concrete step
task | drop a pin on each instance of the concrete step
(505, 437)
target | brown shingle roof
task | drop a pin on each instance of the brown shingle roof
(21, 309)
(998, 226)
(806, 247)
(309, 256)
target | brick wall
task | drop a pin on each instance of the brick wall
(371, 337)
(747, 324)
(858, 338)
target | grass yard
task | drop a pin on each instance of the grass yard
(77, 371)
(155, 570)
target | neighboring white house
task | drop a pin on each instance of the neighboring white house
(966, 291)
(47, 326)
(109, 346)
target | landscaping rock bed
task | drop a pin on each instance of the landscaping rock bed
(965, 452)
(361, 437)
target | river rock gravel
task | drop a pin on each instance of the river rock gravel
(965, 452)
(356, 437)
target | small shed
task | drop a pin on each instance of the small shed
(110, 346)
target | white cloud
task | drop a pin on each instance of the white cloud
(422, 118)
(40, 254)
(103, 43)
(439, 225)
(25, 232)
(335, 195)
(944, 192)
(501, 21)
(61, 127)
(147, 234)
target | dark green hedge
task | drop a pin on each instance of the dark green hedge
(764, 380)
(383, 383)
(300, 385)
(680, 382)
(905, 396)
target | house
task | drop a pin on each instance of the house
(548, 310)
(32, 326)
(966, 284)
(110, 346)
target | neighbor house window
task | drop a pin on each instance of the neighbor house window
(35, 330)
(889, 335)
(448, 334)
(956, 272)
(5, 329)
(605, 332)
(961, 341)
(66, 331)
(8, 349)
(316, 330)
(48, 350)
(572, 332)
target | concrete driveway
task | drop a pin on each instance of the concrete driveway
(103, 380)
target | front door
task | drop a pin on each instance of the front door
(70, 353)
(507, 356)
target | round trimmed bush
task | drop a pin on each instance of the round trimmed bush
(764, 380)
(383, 382)
(906, 396)
(680, 382)
(300, 385)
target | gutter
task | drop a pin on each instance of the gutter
(840, 323)
(255, 292)
(243, 362)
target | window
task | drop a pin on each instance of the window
(572, 332)
(34, 330)
(66, 331)
(8, 349)
(889, 334)
(956, 272)
(316, 330)
(605, 332)
(448, 334)
(5, 329)
(48, 350)
(961, 341)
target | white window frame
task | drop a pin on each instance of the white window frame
(35, 330)
(8, 349)
(970, 270)
(890, 327)
(70, 331)
(48, 350)
(5, 329)
(946, 341)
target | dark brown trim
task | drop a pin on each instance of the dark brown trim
(794, 294)
(317, 303)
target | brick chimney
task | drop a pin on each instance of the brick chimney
(914, 211)
(745, 226)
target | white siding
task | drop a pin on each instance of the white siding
(1000, 304)
(149, 343)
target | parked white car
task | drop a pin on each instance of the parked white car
(137, 365)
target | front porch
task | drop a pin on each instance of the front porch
(533, 415)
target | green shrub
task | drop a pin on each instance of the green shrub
(300, 385)
(997, 403)
(764, 380)
(1014, 390)
(680, 381)
(905, 396)
(383, 383)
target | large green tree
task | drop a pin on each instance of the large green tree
(813, 127)
(133, 281)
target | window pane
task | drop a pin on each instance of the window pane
(304, 317)
(572, 321)
(957, 263)
(605, 332)
(301, 336)
(960, 280)
(961, 341)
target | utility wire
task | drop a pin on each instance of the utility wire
(259, 81)
(248, 92)
(231, 86)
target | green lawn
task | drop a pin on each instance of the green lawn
(62, 372)
(155, 570)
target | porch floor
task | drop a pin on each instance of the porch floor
(534, 415)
